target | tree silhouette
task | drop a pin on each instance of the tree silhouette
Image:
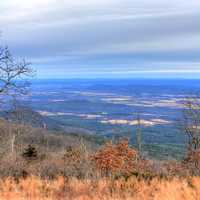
(10, 73)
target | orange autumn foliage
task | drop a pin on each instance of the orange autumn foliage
(34, 188)
(115, 158)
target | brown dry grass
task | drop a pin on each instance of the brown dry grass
(33, 188)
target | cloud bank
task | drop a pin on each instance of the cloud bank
(64, 38)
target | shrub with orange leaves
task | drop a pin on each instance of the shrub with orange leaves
(116, 159)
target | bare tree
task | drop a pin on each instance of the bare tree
(11, 71)
(191, 122)
(12, 81)
(139, 135)
(191, 126)
(22, 116)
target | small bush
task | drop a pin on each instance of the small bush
(116, 159)
(30, 153)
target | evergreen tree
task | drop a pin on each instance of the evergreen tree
(30, 153)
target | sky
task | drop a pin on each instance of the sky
(104, 38)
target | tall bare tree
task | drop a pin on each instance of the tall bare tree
(191, 125)
(11, 71)
(139, 135)
(191, 122)
(12, 80)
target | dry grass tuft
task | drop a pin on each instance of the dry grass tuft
(34, 188)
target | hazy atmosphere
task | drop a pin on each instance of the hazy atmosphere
(112, 38)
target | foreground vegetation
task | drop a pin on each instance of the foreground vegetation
(38, 164)
(34, 188)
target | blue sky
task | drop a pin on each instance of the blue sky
(104, 38)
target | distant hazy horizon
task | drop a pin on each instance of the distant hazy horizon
(188, 76)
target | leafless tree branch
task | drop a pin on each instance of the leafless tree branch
(11, 72)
